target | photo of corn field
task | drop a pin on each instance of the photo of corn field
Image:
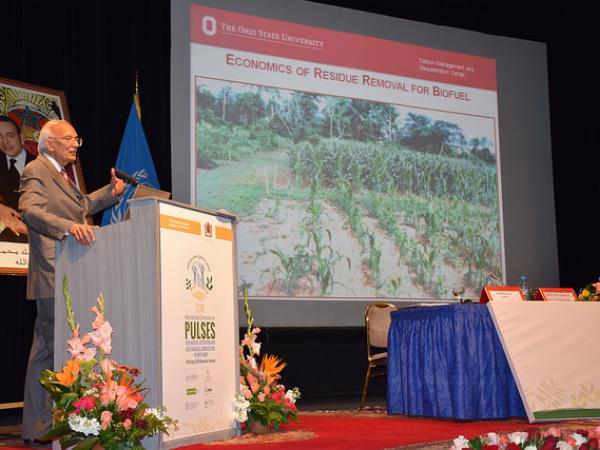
(348, 198)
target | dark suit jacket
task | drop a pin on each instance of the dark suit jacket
(49, 206)
(9, 195)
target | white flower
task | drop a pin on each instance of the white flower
(460, 443)
(518, 437)
(158, 413)
(242, 406)
(530, 447)
(84, 425)
(563, 445)
(252, 362)
(292, 395)
(579, 439)
(492, 439)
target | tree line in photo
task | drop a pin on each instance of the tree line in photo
(300, 116)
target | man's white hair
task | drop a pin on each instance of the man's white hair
(45, 133)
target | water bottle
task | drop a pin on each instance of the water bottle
(524, 287)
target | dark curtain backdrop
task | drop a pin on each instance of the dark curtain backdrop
(91, 49)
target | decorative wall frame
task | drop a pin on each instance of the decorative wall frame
(30, 106)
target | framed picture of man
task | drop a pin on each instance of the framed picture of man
(24, 109)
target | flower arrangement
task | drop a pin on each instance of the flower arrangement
(99, 403)
(263, 399)
(590, 292)
(534, 439)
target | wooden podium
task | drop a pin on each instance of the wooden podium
(168, 275)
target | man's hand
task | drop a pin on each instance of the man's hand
(83, 233)
(12, 220)
(118, 185)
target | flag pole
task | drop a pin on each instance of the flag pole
(136, 95)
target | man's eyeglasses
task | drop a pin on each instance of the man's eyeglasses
(77, 139)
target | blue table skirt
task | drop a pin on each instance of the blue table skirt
(447, 361)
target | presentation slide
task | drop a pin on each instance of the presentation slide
(358, 167)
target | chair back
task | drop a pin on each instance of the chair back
(377, 322)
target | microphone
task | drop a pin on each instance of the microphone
(126, 177)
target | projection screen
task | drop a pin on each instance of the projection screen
(366, 157)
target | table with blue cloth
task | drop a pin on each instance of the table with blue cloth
(447, 361)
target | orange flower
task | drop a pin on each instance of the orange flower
(271, 365)
(69, 373)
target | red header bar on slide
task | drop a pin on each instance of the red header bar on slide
(243, 32)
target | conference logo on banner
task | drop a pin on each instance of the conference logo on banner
(199, 281)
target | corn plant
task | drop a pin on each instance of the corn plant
(373, 261)
(392, 168)
(323, 261)
(291, 268)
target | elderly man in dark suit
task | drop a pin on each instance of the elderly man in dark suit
(13, 159)
(52, 207)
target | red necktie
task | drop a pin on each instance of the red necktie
(64, 174)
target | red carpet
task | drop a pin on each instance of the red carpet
(366, 431)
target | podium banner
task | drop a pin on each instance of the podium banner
(199, 342)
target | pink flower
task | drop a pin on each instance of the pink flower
(552, 431)
(246, 340)
(78, 349)
(107, 366)
(261, 397)
(252, 379)
(255, 330)
(85, 403)
(108, 393)
(289, 405)
(242, 380)
(571, 441)
(255, 387)
(124, 398)
(106, 417)
(247, 394)
(594, 433)
(127, 424)
(250, 342)
(101, 337)
(267, 390)
(99, 320)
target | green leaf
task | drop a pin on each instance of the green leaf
(56, 432)
(87, 444)
(476, 443)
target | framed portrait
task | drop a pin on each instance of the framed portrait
(24, 109)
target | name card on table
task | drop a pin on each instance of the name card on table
(557, 294)
(501, 293)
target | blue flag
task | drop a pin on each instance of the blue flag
(134, 158)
